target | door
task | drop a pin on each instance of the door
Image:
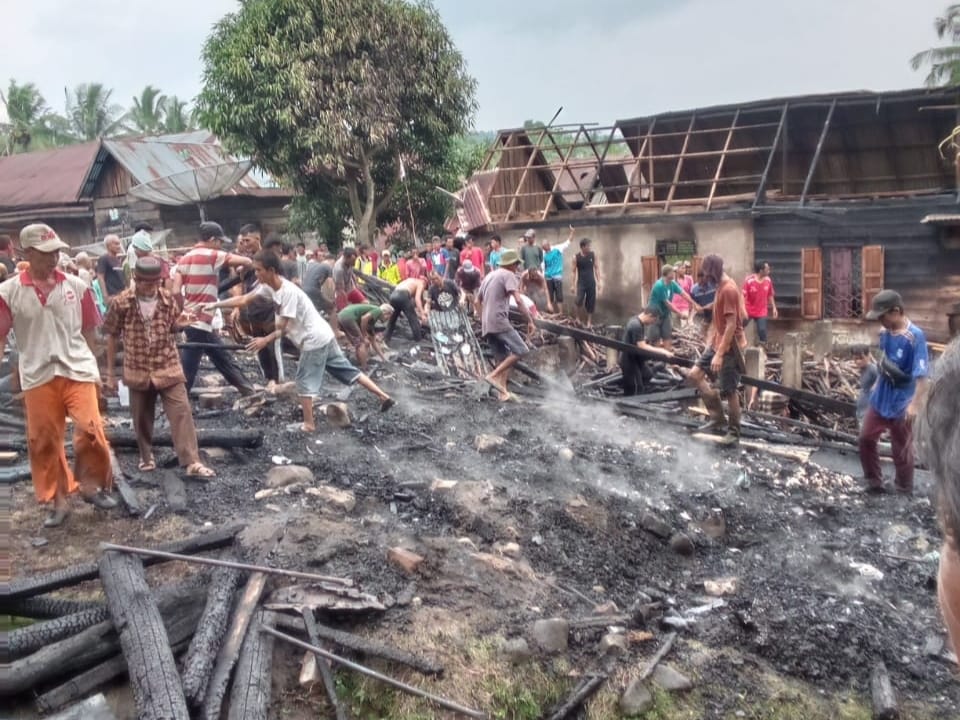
(650, 273)
(695, 262)
(839, 291)
(811, 301)
(871, 263)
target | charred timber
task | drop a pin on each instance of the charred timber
(205, 645)
(250, 694)
(46, 607)
(310, 623)
(23, 641)
(39, 584)
(237, 437)
(882, 694)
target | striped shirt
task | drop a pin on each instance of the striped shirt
(200, 270)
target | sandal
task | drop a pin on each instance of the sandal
(199, 470)
(148, 465)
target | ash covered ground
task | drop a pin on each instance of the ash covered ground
(825, 580)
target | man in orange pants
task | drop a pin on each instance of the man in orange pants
(54, 317)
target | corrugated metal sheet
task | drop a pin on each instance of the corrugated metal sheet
(49, 177)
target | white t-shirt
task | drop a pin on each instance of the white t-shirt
(306, 327)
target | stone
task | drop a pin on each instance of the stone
(671, 679)
(510, 549)
(337, 414)
(613, 644)
(309, 670)
(636, 699)
(439, 485)
(566, 454)
(208, 381)
(517, 651)
(210, 401)
(715, 524)
(404, 559)
(720, 586)
(607, 608)
(467, 543)
(655, 525)
(488, 443)
(551, 635)
(791, 356)
(341, 499)
(681, 544)
(281, 475)
(215, 453)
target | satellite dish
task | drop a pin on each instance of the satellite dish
(195, 186)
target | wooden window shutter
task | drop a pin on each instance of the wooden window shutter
(695, 262)
(871, 262)
(811, 301)
(650, 271)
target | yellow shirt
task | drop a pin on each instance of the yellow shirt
(390, 274)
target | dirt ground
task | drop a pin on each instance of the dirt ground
(826, 581)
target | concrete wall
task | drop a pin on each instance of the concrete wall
(620, 247)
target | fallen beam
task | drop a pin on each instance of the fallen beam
(250, 694)
(882, 694)
(94, 708)
(45, 607)
(684, 393)
(238, 438)
(39, 584)
(310, 623)
(25, 640)
(580, 695)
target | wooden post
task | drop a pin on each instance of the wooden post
(756, 362)
(822, 339)
(791, 372)
(679, 169)
(762, 188)
(250, 695)
(816, 153)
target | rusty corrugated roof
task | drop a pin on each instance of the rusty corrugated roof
(47, 177)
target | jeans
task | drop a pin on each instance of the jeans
(901, 441)
(402, 302)
(222, 360)
(761, 327)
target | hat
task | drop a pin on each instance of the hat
(212, 231)
(41, 237)
(467, 265)
(530, 233)
(142, 241)
(147, 268)
(509, 257)
(883, 302)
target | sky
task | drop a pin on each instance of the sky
(601, 61)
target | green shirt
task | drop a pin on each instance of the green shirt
(663, 293)
(353, 313)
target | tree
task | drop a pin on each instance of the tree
(177, 118)
(148, 111)
(90, 113)
(944, 61)
(33, 125)
(328, 93)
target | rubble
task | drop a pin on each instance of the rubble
(551, 635)
(281, 475)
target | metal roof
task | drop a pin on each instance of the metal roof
(48, 177)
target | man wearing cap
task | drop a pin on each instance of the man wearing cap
(633, 367)
(142, 245)
(198, 275)
(407, 299)
(468, 280)
(358, 323)
(110, 268)
(493, 305)
(530, 254)
(473, 253)
(54, 317)
(897, 393)
(146, 317)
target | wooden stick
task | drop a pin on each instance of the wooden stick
(655, 660)
(882, 694)
(584, 690)
(227, 563)
(310, 623)
(321, 653)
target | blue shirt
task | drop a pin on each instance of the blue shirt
(553, 261)
(908, 351)
(704, 295)
(868, 377)
(494, 259)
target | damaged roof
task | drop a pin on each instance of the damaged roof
(46, 178)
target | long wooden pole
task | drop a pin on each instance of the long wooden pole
(227, 563)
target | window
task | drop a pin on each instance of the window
(838, 283)
(674, 251)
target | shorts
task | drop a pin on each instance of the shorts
(660, 330)
(555, 290)
(506, 343)
(730, 370)
(352, 331)
(587, 298)
(313, 364)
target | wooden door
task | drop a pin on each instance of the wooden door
(650, 273)
(871, 265)
(695, 262)
(811, 300)
(839, 298)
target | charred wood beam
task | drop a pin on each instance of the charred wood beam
(310, 623)
(250, 694)
(39, 584)
(238, 438)
(882, 694)
(683, 393)
(816, 153)
(157, 690)
(23, 641)
(584, 690)
(46, 607)
(762, 187)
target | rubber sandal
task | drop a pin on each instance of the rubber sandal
(200, 471)
(147, 465)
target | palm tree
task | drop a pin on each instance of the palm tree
(32, 125)
(944, 61)
(90, 112)
(146, 115)
(176, 117)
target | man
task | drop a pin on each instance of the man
(586, 275)
(438, 258)
(534, 286)
(142, 245)
(6, 254)
(496, 246)
(197, 276)
(553, 272)
(723, 358)
(661, 298)
(896, 395)
(633, 367)
(472, 253)
(287, 266)
(452, 251)
(302, 259)
(468, 280)
(685, 280)
(758, 299)
(358, 323)
(315, 277)
(146, 318)
(407, 298)
(345, 290)
(54, 318)
(110, 268)
(531, 255)
(299, 320)
(703, 295)
(442, 294)
(366, 262)
(389, 270)
(493, 306)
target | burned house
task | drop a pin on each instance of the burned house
(843, 194)
(107, 186)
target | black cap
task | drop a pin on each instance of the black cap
(883, 302)
(212, 231)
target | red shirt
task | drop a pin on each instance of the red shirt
(756, 296)
(475, 256)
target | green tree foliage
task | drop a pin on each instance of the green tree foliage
(177, 117)
(944, 61)
(90, 113)
(332, 93)
(32, 124)
(147, 113)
